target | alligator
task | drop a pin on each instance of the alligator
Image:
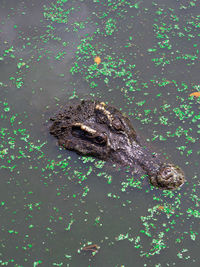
(93, 128)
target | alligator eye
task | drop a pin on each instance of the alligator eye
(77, 132)
(100, 140)
(88, 134)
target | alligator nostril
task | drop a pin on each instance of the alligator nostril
(167, 171)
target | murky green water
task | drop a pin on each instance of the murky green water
(53, 202)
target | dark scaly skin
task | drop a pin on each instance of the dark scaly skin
(96, 129)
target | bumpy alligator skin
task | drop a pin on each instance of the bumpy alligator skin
(96, 129)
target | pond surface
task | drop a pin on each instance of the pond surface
(54, 202)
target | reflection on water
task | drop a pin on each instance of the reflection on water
(54, 202)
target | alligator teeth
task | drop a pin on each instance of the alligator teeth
(107, 113)
(85, 128)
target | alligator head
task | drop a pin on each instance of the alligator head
(96, 129)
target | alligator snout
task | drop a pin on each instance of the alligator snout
(168, 177)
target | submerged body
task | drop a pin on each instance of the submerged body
(96, 129)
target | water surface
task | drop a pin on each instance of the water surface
(53, 202)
